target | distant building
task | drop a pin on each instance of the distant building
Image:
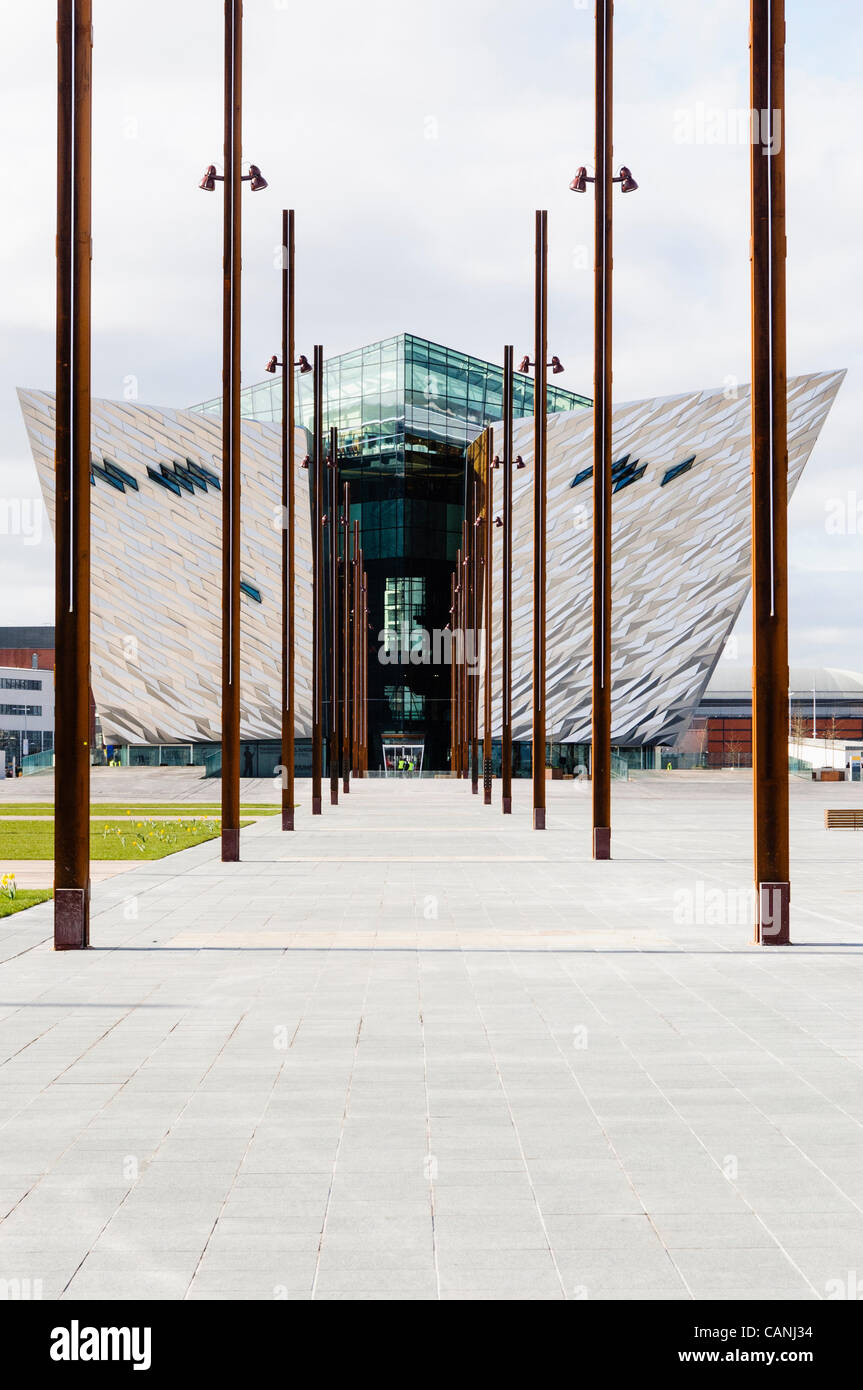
(27, 646)
(26, 705)
(823, 703)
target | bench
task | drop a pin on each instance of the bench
(844, 820)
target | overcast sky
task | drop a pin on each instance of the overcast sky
(415, 141)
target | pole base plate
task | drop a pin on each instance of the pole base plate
(71, 919)
(539, 817)
(602, 842)
(316, 805)
(230, 846)
(288, 818)
(773, 927)
(507, 805)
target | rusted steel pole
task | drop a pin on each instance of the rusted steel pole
(474, 628)
(487, 623)
(600, 761)
(465, 667)
(317, 578)
(346, 641)
(457, 642)
(355, 651)
(364, 659)
(288, 513)
(453, 687)
(72, 461)
(540, 410)
(506, 595)
(769, 476)
(231, 470)
(333, 540)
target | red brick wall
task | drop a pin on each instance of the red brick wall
(729, 741)
(23, 656)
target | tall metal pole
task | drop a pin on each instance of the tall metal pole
(317, 578)
(465, 668)
(231, 472)
(346, 641)
(474, 629)
(540, 409)
(72, 527)
(487, 600)
(600, 769)
(769, 477)
(288, 511)
(355, 696)
(333, 537)
(506, 595)
(457, 656)
(364, 668)
(453, 684)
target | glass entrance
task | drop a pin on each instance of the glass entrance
(403, 759)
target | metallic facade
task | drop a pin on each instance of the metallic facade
(681, 548)
(156, 566)
(681, 555)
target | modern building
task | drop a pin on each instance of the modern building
(823, 703)
(27, 693)
(407, 413)
(406, 410)
(26, 713)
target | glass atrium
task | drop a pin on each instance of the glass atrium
(406, 410)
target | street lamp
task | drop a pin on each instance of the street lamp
(600, 769)
(541, 364)
(769, 479)
(317, 575)
(233, 179)
(72, 462)
(346, 639)
(333, 540)
(288, 512)
(474, 627)
(488, 477)
(356, 570)
(506, 589)
(254, 176)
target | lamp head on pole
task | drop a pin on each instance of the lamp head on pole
(272, 364)
(524, 365)
(580, 182)
(208, 182)
(556, 365)
(627, 182)
(256, 178)
(303, 363)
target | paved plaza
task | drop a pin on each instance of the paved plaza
(416, 1050)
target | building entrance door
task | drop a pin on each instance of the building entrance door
(403, 759)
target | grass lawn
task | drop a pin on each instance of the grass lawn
(130, 838)
(186, 809)
(25, 897)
